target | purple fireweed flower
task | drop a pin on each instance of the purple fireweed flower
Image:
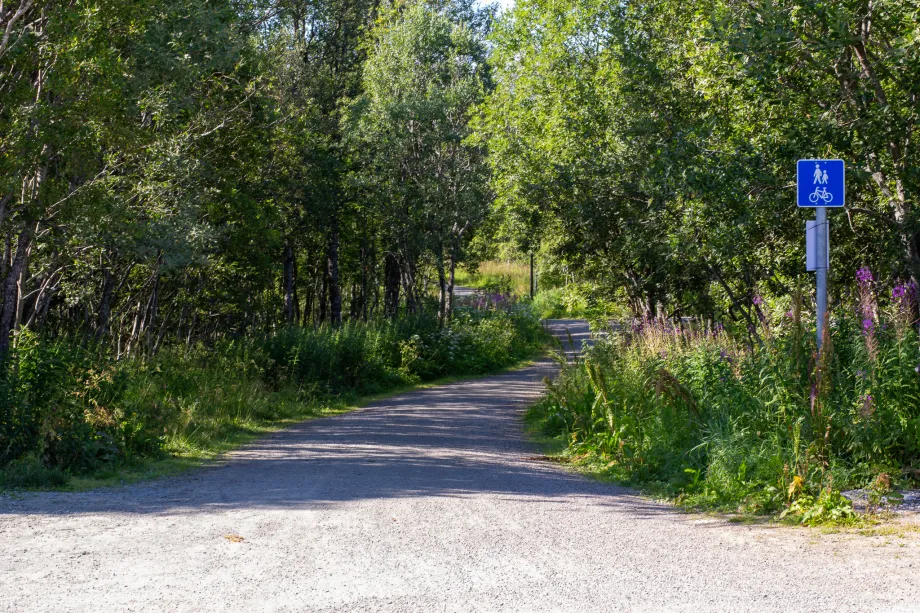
(864, 276)
(868, 325)
(867, 409)
(904, 294)
(758, 300)
(790, 314)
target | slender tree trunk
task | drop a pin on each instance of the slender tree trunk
(105, 303)
(323, 294)
(154, 310)
(11, 290)
(408, 280)
(335, 291)
(451, 272)
(391, 282)
(7, 255)
(21, 289)
(442, 290)
(364, 274)
(288, 282)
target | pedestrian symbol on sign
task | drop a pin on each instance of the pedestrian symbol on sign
(827, 183)
(820, 176)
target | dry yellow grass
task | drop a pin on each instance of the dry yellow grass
(498, 274)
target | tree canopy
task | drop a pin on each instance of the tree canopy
(659, 140)
(177, 170)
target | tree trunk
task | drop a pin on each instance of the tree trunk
(21, 288)
(452, 270)
(288, 282)
(335, 291)
(364, 274)
(105, 303)
(11, 291)
(442, 291)
(390, 285)
(323, 295)
(408, 280)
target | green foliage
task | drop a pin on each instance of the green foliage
(648, 148)
(71, 410)
(830, 507)
(560, 303)
(724, 421)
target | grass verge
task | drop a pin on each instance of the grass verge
(181, 454)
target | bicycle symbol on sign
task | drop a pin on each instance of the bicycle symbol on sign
(822, 194)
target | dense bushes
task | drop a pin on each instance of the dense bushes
(750, 420)
(67, 410)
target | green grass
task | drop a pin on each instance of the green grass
(497, 276)
(185, 458)
(199, 406)
(714, 422)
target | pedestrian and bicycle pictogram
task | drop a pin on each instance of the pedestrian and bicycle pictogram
(820, 183)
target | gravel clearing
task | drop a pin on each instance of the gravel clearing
(430, 501)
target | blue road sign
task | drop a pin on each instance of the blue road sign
(820, 183)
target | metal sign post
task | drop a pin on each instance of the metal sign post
(820, 184)
(821, 272)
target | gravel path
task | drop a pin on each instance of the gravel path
(430, 501)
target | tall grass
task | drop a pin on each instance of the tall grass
(71, 410)
(725, 421)
(497, 276)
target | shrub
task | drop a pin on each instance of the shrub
(729, 421)
(68, 408)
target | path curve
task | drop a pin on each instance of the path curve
(428, 501)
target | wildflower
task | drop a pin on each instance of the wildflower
(758, 300)
(864, 276)
(868, 407)
(868, 325)
(790, 314)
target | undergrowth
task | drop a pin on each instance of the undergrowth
(70, 411)
(750, 423)
(497, 276)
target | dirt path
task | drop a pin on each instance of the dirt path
(428, 501)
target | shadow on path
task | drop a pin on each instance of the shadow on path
(456, 440)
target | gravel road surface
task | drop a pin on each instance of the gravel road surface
(430, 501)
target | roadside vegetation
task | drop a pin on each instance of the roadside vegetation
(510, 277)
(646, 152)
(220, 216)
(746, 420)
(554, 299)
(70, 411)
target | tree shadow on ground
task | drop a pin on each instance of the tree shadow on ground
(458, 440)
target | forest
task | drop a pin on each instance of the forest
(185, 181)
